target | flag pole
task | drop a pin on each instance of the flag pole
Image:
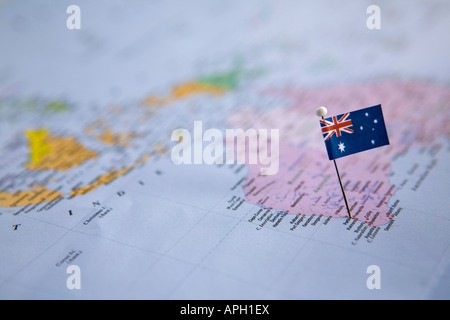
(321, 112)
(342, 188)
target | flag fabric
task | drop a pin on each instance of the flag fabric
(353, 132)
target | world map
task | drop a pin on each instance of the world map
(86, 176)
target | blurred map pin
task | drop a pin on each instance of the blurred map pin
(321, 112)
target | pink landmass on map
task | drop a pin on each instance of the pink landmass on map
(306, 183)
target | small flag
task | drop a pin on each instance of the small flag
(354, 132)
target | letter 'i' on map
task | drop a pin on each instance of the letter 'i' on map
(353, 132)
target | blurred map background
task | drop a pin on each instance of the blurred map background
(86, 176)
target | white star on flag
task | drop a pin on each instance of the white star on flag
(341, 147)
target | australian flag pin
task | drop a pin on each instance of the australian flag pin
(352, 132)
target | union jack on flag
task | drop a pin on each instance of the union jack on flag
(354, 132)
(336, 126)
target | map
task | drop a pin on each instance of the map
(86, 171)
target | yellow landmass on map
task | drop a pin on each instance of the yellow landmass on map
(30, 197)
(193, 87)
(161, 149)
(38, 146)
(108, 177)
(183, 90)
(89, 129)
(101, 131)
(155, 100)
(119, 139)
(49, 152)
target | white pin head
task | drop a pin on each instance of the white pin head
(321, 111)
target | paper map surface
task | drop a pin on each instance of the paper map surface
(86, 176)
